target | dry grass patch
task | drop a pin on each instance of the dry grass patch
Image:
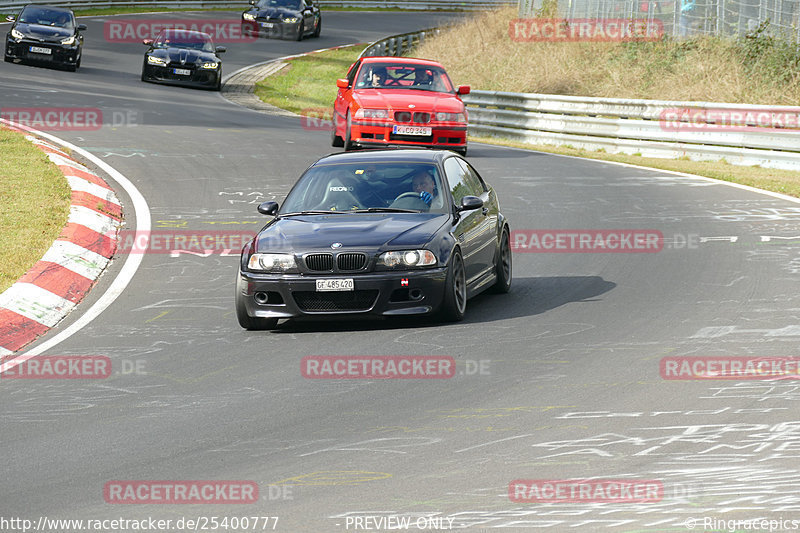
(34, 205)
(756, 70)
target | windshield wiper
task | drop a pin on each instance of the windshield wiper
(385, 210)
(312, 212)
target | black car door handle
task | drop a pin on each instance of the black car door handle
(485, 210)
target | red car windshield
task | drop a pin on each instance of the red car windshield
(403, 76)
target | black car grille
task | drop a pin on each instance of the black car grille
(319, 262)
(351, 261)
(309, 301)
(345, 262)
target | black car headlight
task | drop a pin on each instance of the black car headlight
(407, 259)
(69, 41)
(16, 34)
(290, 20)
(248, 16)
(156, 61)
(272, 263)
(209, 65)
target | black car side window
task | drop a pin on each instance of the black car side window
(473, 179)
(460, 183)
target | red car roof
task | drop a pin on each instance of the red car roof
(401, 60)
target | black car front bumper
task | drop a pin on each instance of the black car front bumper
(59, 54)
(377, 294)
(208, 78)
(274, 29)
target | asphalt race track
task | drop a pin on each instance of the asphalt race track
(557, 380)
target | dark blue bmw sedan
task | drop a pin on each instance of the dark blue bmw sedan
(376, 233)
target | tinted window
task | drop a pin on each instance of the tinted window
(404, 76)
(184, 39)
(46, 17)
(350, 186)
(475, 181)
(461, 182)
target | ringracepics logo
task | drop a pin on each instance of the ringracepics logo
(585, 29)
(55, 118)
(587, 241)
(316, 119)
(585, 490)
(727, 368)
(377, 367)
(698, 119)
(135, 30)
(180, 492)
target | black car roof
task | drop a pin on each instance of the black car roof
(375, 156)
(53, 8)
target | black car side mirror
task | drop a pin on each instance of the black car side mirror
(470, 203)
(10, 18)
(148, 42)
(268, 208)
(81, 27)
(220, 50)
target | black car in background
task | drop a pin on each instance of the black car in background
(382, 233)
(45, 35)
(183, 57)
(287, 19)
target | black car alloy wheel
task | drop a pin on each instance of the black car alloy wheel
(503, 265)
(454, 303)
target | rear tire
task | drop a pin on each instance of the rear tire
(503, 269)
(454, 303)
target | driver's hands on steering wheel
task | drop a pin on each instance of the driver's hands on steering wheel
(426, 197)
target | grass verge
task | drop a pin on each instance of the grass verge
(308, 85)
(34, 205)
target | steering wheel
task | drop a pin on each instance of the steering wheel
(409, 194)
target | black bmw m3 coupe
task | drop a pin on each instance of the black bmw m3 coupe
(376, 233)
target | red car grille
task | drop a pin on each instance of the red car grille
(406, 116)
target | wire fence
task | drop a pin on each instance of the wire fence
(683, 18)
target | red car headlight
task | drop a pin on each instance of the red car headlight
(372, 113)
(451, 117)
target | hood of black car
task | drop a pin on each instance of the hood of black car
(276, 12)
(361, 231)
(183, 56)
(48, 34)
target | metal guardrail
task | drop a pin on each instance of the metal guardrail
(397, 45)
(9, 6)
(741, 134)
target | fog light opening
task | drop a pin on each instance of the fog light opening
(415, 294)
(261, 297)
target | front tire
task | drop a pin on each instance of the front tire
(454, 303)
(319, 28)
(301, 30)
(502, 267)
(348, 144)
(336, 141)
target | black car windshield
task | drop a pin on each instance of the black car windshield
(286, 4)
(360, 187)
(403, 76)
(191, 40)
(47, 17)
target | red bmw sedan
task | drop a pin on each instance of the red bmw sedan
(399, 101)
